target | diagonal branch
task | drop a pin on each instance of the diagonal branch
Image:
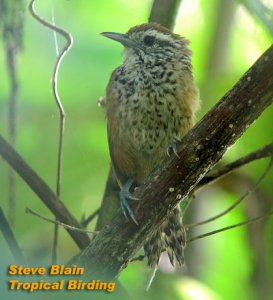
(43, 191)
(225, 170)
(10, 239)
(247, 222)
(117, 243)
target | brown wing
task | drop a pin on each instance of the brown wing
(123, 159)
(188, 104)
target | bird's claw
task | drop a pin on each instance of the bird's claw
(172, 149)
(126, 195)
(126, 209)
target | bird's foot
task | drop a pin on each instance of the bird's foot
(125, 195)
(172, 149)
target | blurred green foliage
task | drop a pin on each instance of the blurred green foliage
(226, 263)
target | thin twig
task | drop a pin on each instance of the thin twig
(237, 202)
(230, 227)
(85, 222)
(56, 227)
(223, 171)
(60, 56)
(28, 210)
(138, 258)
(11, 240)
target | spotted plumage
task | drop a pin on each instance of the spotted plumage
(150, 104)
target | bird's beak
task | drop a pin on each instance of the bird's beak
(121, 38)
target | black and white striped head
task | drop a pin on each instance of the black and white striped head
(151, 44)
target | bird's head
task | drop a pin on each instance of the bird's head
(152, 44)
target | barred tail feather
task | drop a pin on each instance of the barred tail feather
(175, 236)
(153, 248)
(171, 236)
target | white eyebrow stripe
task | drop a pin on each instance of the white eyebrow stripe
(160, 35)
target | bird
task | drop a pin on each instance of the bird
(151, 103)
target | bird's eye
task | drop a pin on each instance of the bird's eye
(149, 40)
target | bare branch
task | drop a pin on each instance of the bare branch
(237, 202)
(10, 239)
(138, 258)
(30, 211)
(219, 173)
(164, 12)
(247, 222)
(43, 191)
(260, 10)
(12, 23)
(110, 202)
(13, 114)
(89, 219)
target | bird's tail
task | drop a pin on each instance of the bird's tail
(153, 248)
(171, 236)
(174, 236)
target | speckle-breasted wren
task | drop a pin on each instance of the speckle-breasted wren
(151, 101)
